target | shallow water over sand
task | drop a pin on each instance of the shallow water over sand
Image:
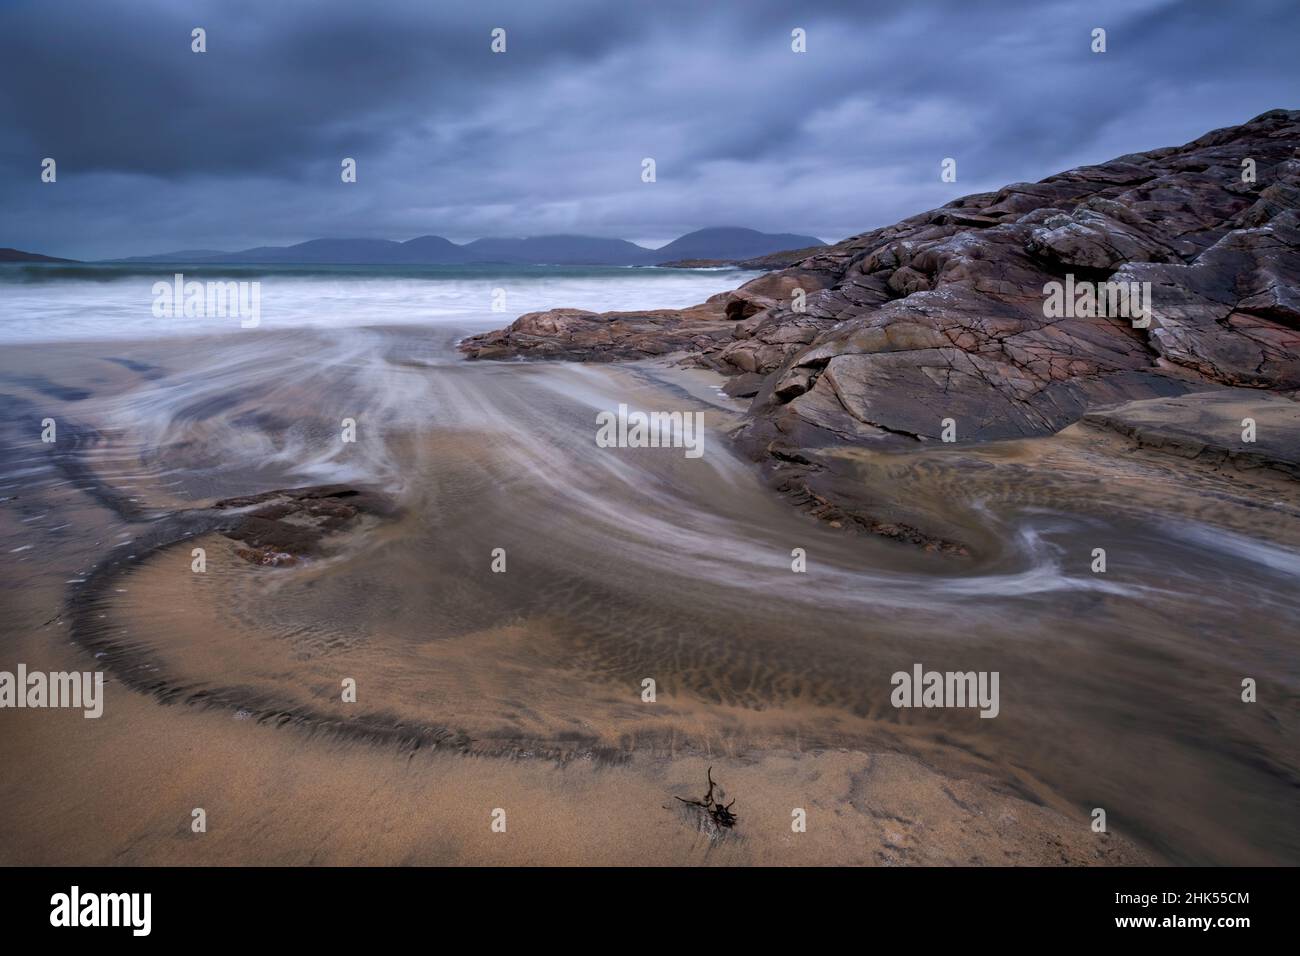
(1118, 690)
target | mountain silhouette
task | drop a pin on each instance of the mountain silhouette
(718, 244)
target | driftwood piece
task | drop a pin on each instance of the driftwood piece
(721, 815)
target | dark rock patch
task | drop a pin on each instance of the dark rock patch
(280, 528)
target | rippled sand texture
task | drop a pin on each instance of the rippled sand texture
(523, 690)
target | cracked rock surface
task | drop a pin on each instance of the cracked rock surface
(942, 315)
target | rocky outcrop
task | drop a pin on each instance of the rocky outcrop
(943, 316)
(946, 324)
(577, 335)
(1241, 429)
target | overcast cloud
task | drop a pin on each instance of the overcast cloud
(160, 148)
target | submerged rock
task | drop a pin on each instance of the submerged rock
(279, 528)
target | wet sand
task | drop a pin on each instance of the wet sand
(522, 690)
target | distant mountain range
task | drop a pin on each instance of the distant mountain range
(722, 244)
(17, 255)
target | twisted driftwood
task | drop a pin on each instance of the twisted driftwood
(721, 815)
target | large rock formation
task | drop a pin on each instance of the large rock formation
(944, 316)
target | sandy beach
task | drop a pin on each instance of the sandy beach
(522, 690)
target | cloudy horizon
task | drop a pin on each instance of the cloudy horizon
(160, 148)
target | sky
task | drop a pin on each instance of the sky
(161, 148)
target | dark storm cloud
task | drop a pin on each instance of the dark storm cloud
(162, 148)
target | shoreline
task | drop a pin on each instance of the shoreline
(745, 684)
